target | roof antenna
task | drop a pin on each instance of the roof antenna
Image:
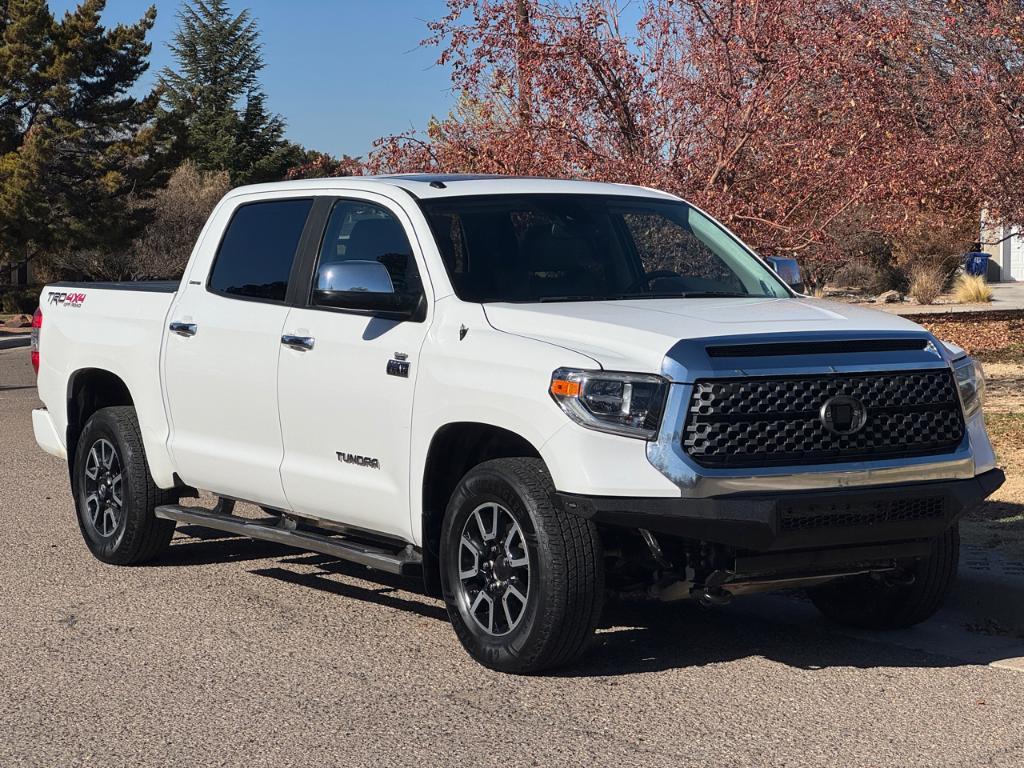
(438, 185)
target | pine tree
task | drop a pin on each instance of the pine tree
(214, 99)
(75, 147)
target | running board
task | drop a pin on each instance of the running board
(404, 562)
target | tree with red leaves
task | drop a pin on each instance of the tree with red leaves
(781, 117)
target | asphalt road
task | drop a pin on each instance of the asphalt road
(230, 652)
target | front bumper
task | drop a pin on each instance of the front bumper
(797, 520)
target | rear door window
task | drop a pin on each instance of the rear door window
(255, 256)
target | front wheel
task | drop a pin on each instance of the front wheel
(874, 602)
(114, 493)
(522, 580)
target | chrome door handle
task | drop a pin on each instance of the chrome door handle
(183, 329)
(300, 343)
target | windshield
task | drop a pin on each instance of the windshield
(537, 248)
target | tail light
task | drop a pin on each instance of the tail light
(37, 326)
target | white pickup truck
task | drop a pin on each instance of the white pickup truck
(531, 393)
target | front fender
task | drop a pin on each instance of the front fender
(471, 372)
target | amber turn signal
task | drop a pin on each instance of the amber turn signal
(563, 388)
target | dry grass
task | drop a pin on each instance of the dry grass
(926, 282)
(972, 289)
(998, 523)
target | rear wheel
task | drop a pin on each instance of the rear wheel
(114, 493)
(876, 602)
(523, 581)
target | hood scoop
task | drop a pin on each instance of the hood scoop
(769, 354)
(830, 347)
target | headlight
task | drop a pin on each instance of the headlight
(628, 404)
(970, 380)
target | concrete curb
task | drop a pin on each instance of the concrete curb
(14, 341)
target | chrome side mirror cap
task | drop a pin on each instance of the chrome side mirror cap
(355, 276)
(365, 286)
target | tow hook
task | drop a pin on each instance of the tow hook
(898, 578)
(711, 594)
(712, 597)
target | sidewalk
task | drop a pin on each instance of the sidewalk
(1005, 297)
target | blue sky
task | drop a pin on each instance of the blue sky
(341, 72)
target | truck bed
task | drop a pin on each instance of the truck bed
(115, 328)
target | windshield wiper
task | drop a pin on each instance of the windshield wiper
(719, 295)
(587, 297)
(645, 295)
(682, 295)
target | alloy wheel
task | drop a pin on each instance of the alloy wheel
(494, 569)
(104, 498)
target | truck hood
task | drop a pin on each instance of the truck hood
(635, 335)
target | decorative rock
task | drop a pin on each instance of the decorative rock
(889, 297)
(18, 321)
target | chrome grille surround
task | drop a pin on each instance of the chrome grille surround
(688, 361)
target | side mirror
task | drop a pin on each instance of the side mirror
(364, 286)
(350, 276)
(788, 270)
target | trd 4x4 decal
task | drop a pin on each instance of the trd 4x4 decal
(65, 299)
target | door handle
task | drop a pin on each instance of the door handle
(183, 329)
(300, 343)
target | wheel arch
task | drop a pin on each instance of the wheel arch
(89, 390)
(455, 448)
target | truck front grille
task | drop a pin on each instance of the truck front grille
(772, 421)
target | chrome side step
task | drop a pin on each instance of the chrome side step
(404, 562)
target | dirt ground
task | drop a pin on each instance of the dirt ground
(999, 342)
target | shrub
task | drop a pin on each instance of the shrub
(21, 301)
(179, 213)
(866, 259)
(972, 289)
(860, 276)
(935, 246)
(926, 282)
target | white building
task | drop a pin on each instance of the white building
(1005, 246)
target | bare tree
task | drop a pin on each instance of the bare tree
(179, 212)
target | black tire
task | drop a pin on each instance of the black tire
(565, 573)
(874, 603)
(134, 534)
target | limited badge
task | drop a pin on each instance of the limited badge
(399, 365)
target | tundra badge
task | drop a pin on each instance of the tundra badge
(359, 461)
